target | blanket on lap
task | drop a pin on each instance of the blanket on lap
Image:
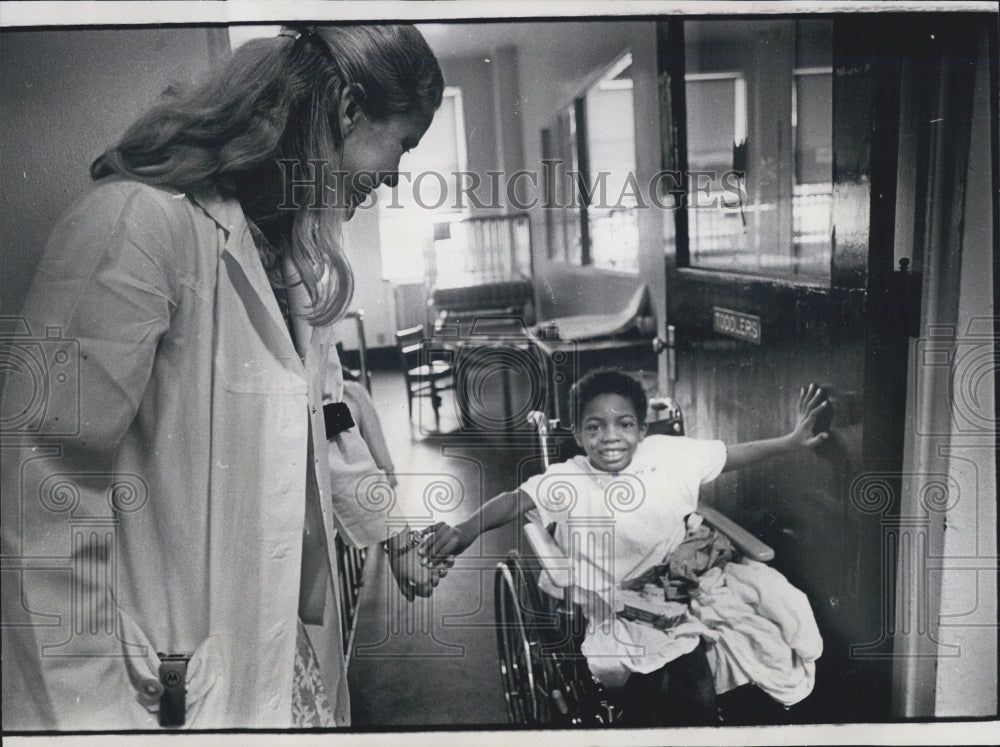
(760, 629)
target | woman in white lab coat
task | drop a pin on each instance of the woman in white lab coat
(172, 501)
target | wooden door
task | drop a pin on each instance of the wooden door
(767, 293)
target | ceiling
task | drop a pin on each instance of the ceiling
(474, 39)
(446, 39)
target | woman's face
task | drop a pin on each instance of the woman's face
(372, 149)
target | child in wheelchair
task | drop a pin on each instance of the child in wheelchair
(620, 511)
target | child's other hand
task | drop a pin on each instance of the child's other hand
(812, 401)
(444, 543)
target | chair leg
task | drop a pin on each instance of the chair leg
(436, 404)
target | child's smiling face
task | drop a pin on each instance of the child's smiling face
(609, 432)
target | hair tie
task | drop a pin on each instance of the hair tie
(297, 32)
(308, 33)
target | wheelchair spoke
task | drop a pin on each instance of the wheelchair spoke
(545, 677)
(520, 648)
(514, 657)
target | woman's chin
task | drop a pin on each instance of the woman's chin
(355, 202)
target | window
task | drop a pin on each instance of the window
(612, 216)
(758, 107)
(590, 188)
(427, 194)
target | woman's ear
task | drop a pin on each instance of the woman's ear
(350, 111)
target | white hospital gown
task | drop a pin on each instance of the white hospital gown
(615, 526)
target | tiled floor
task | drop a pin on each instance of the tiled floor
(434, 662)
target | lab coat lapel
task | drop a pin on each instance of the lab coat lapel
(242, 263)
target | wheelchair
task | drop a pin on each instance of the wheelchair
(545, 677)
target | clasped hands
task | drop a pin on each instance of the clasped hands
(418, 569)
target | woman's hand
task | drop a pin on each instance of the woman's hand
(812, 402)
(413, 577)
(444, 544)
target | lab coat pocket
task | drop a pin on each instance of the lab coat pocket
(260, 375)
(204, 681)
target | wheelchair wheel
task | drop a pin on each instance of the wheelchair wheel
(522, 670)
(544, 675)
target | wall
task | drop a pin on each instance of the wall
(490, 97)
(505, 69)
(514, 90)
(556, 61)
(67, 96)
(474, 75)
(372, 294)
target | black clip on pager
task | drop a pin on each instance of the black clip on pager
(173, 677)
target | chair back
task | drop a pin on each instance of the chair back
(669, 418)
(361, 355)
(348, 363)
(410, 343)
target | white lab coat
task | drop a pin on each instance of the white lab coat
(154, 480)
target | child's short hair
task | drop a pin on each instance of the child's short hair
(607, 381)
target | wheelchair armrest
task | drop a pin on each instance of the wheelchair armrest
(551, 556)
(742, 540)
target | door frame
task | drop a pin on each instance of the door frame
(942, 87)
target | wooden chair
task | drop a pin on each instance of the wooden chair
(355, 362)
(424, 377)
(350, 364)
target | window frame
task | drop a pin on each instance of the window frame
(673, 77)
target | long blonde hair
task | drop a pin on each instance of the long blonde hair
(277, 99)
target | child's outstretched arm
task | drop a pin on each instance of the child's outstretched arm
(449, 541)
(811, 404)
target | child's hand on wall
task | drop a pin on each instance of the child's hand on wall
(812, 402)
